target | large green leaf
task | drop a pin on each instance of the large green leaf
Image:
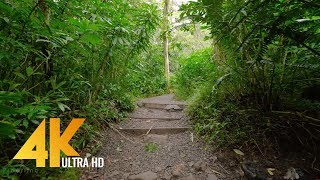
(91, 39)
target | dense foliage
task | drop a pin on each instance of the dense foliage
(68, 59)
(146, 76)
(267, 53)
(193, 71)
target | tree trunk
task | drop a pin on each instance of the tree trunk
(166, 41)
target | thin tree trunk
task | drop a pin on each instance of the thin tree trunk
(48, 66)
(166, 41)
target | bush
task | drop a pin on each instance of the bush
(268, 58)
(146, 73)
(194, 71)
(66, 59)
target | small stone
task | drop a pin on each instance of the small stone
(191, 163)
(208, 171)
(176, 173)
(200, 166)
(241, 173)
(252, 170)
(190, 177)
(221, 157)
(114, 161)
(212, 177)
(126, 175)
(149, 175)
(291, 174)
(213, 159)
(182, 155)
(140, 104)
(232, 164)
(88, 155)
(114, 173)
(178, 170)
(119, 149)
(166, 177)
(172, 108)
(158, 169)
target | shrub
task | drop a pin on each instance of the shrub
(194, 71)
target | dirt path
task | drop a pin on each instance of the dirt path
(157, 142)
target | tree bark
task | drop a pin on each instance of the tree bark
(166, 41)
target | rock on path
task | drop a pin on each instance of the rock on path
(156, 142)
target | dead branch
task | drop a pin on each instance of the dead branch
(296, 113)
(116, 130)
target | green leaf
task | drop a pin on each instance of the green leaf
(19, 131)
(55, 86)
(17, 122)
(9, 96)
(6, 110)
(37, 122)
(6, 129)
(69, 38)
(25, 123)
(31, 113)
(6, 19)
(91, 39)
(63, 107)
(12, 136)
(29, 71)
(13, 86)
(222, 78)
(244, 12)
(20, 75)
(151, 147)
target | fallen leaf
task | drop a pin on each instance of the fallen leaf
(119, 149)
(237, 151)
(291, 174)
(270, 171)
(88, 155)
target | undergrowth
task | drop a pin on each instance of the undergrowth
(266, 89)
(70, 59)
(193, 71)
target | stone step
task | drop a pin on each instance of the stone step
(160, 106)
(158, 130)
(146, 113)
(154, 119)
(147, 124)
(161, 102)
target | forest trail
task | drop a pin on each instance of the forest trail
(157, 142)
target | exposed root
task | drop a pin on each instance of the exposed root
(149, 130)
